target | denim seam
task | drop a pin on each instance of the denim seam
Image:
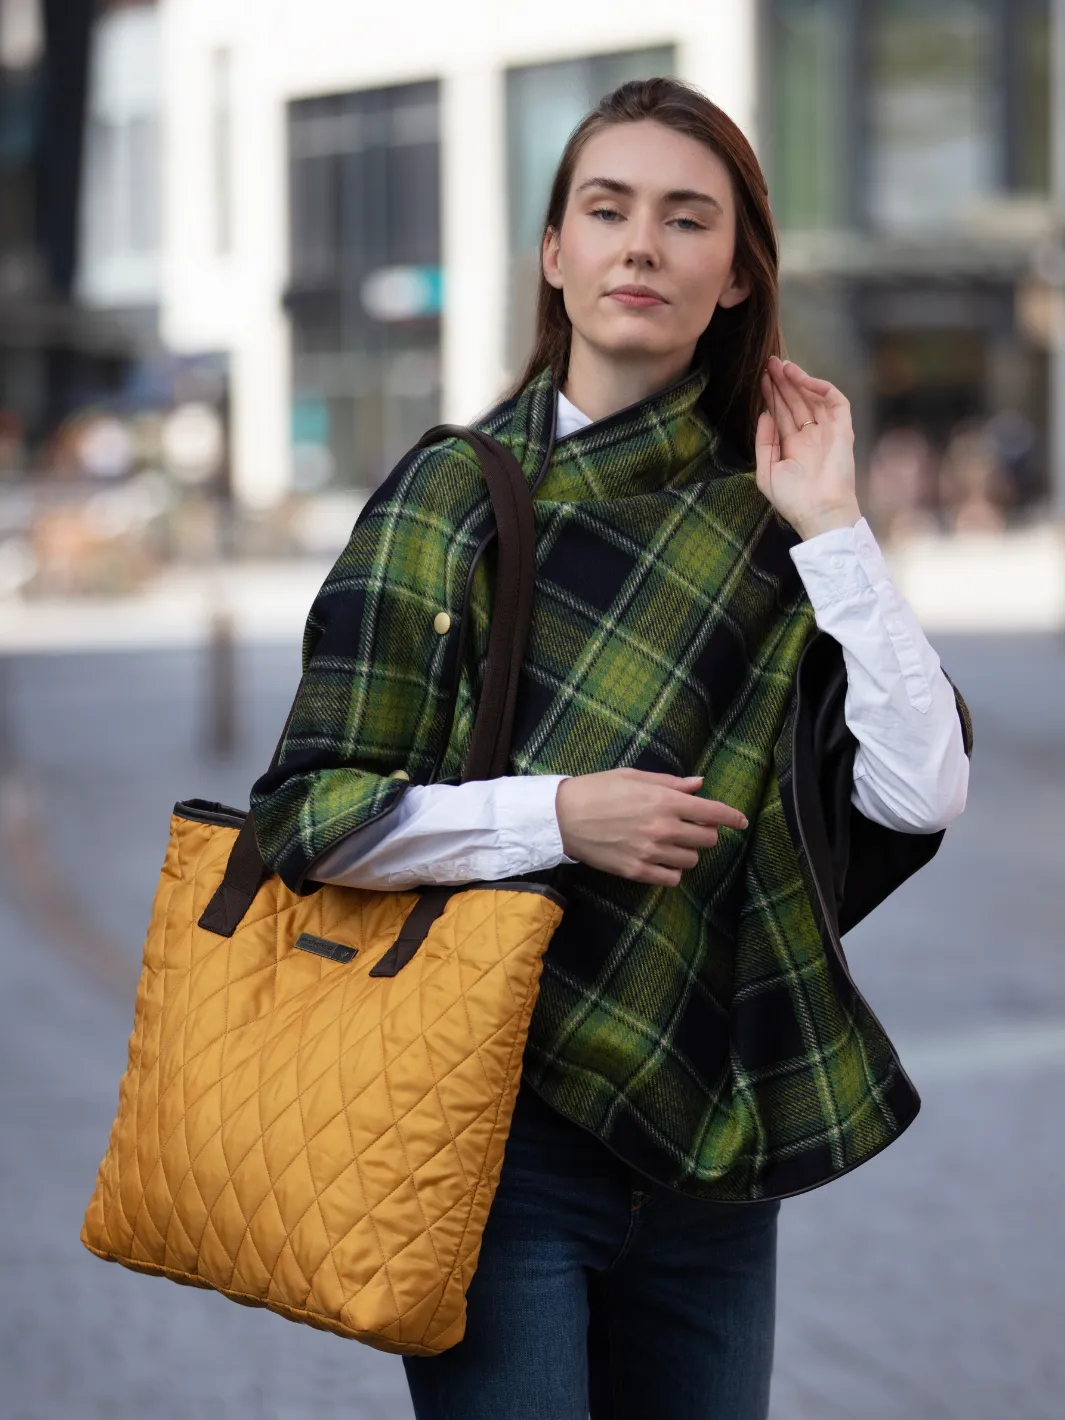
(627, 1242)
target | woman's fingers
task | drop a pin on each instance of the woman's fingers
(789, 405)
(641, 825)
(687, 839)
(709, 813)
(695, 835)
(725, 814)
(782, 415)
(766, 435)
(658, 877)
(769, 394)
(674, 857)
(820, 389)
(669, 781)
(766, 451)
(792, 397)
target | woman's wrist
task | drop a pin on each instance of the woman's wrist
(841, 515)
(559, 813)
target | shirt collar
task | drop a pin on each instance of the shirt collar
(570, 418)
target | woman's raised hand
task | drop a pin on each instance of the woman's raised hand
(804, 450)
(639, 825)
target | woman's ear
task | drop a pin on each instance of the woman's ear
(551, 264)
(738, 289)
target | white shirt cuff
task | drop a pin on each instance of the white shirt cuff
(839, 564)
(445, 833)
(910, 769)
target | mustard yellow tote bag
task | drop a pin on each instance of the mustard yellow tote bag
(319, 1089)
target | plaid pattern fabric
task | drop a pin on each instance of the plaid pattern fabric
(708, 1033)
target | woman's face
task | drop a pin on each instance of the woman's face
(647, 207)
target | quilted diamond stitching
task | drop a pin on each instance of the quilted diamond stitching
(190, 1057)
(169, 1000)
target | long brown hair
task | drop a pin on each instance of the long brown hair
(739, 340)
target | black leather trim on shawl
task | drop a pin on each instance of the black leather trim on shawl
(858, 862)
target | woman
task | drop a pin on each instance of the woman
(732, 741)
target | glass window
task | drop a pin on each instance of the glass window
(102, 185)
(808, 93)
(19, 118)
(142, 183)
(899, 114)
(1026, 47)
(935, 113)
(365, 288)
(545, 102)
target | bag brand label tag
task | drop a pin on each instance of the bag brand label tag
(323, 947)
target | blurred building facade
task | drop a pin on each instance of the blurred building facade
(54, 355)
(909, 146)
(113, 448)
(120, 234)
(339, 207)
(353, 200)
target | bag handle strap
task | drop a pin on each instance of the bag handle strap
(512, 612)
(508, 636)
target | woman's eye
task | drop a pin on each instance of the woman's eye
(611, 212)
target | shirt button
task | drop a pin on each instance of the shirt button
(441, 622)
(399, 774)
(837, 562)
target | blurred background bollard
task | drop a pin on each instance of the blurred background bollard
(7, 719)
(221, 719)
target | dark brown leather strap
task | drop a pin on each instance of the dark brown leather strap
(512, 610)
(507, 639)
(242, 879)
(415, 929)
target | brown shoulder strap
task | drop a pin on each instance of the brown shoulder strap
(512, 610)
(507, 639)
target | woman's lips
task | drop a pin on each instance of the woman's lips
(626, 298)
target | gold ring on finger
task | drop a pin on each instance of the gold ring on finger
(809, 421)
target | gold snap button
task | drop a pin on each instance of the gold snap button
(441, 622)
(399, 774)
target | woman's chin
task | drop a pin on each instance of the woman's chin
(634, 344)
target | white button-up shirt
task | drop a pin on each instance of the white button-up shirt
(910, 768)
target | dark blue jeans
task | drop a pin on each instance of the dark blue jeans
(600, 1292)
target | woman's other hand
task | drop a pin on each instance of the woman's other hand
(639, 825)
(804, 450)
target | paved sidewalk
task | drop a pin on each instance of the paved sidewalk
(976, 582)
(82, 1340)
(926, 1286)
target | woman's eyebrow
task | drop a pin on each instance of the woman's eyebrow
(678, 194)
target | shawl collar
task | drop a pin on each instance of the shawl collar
(660, 442)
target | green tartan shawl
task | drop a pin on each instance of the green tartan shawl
(708, 1033)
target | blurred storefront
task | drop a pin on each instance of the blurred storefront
(119, 250)
(353, 206)
(113, 448)
(53, 354)
(910, 162)
(365, 290)
(354, 201)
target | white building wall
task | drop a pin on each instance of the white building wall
(286, 49)
(120, 217)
